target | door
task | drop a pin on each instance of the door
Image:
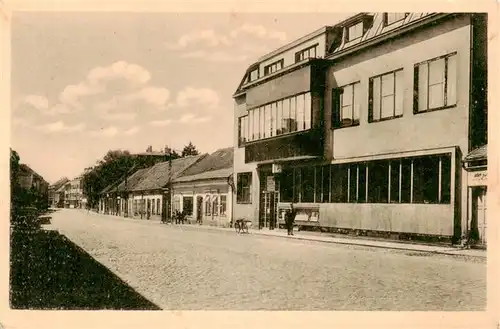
(481, 214)
(199, 208)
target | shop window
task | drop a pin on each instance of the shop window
(362, 183)
(244, 187)
(426, 180)
(286, 185)
(187, 205)
(208, 206)
(394, 183)
(435, 84)
(158, 207)
(378, 182)
(153, 209)
(339, 183)
(325, 186)
(297, 184)
(446, 179)
(406, 178)
(215, 205)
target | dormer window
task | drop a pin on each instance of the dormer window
(310, 52)
(355, 31)
(273, 67)
(253, 75)
(391, 18)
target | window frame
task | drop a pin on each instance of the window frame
(250, 75)
(348, 37)
(386, 22)
(267, 68)
(240, 188)
(337, 106)
(371, 99)
(306, 50)
(416, 88)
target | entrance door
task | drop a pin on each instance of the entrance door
(268, 213)
(481, 214)
(199, 208)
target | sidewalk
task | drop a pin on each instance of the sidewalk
(328, 238)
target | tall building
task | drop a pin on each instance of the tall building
(364, 125)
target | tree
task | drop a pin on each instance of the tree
(189, 149)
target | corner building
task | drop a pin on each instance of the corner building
(364, 125)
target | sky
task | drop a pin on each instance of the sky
(84, 83)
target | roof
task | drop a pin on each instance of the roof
(158, 175)
(213, 174)
(220, 159)
(132, 180)
(478, 154)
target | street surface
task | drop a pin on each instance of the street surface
(191, 268)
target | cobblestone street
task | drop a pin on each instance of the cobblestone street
(194, 268)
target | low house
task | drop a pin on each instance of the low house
(203, 191)
(149, 197)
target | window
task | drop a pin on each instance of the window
(262, 122)
(158, 207)
(307, 184)
(242, 129)
(355, 31)
(187, 205)
(310, 52)
(318, 184)
(286, 185)
(254, 75)
(435, 84)
(378, 182)
(215, 205)
(208, 206)
(394, 184)
(339, 183)
(153, 209)
(307, 111)
(299, 102)
(267, 121)
(223, 205)
(326, 183)
(293, 115)
(357, 183)
(279, 117)
(391, 18)
(274, 116)
(386, 96)
(346, 104)
(273, 67)
(244, 186)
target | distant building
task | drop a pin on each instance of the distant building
(29, 179)
(73, 193)
(56, 193)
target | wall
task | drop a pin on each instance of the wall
(441, 128)
(404, 218)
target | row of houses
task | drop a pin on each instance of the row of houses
(67, 193)
(29, 179)
(377, 124)
(198, 186)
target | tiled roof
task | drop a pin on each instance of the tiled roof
(478, 154)
(220, 159)
(132, 180)
(158, 176)
(213, 174)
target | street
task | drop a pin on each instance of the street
(192, 268)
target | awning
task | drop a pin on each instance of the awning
(478, 154)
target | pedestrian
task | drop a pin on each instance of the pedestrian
(289, 219)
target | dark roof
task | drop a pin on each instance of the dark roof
(478, 154)
(207, 175)
(220, 159)
(109, 187)
(158, 176)
(132, 180)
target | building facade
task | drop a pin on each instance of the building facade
(203, 192)
(367, 132)
(73, 193)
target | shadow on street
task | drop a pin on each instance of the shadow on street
(48, 271)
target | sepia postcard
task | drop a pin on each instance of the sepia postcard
(250, 165)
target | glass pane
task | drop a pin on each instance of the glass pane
(388, 84)
(297, 185)
(318, 184)
(286, 115)
(347, 115)
(436, 96)
(286, 186)
(399, 93)
(353, 183)
(339, 183)
(445, 179)
(279, 118)
(422, 87)
(426, 179)
(451, 92)
(250, 124)
(436, 71)
(376, 99)
(405, 180)
(307, 184)
(346, 97)
(395, 181)
(378, 182)
(267, 122)
(300, 112)
(273, 119)
(293, 114)
(307, 111)
(387, 107)
(362, 182)
(326, 183)
(262, 122)
(357, 101)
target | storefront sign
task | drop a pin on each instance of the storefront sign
(276, 168)
(270, 184)
(478, 178)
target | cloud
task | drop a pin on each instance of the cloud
(110, 131)
(192, 119)
(216, 56)
(231, 47)
(132, 131)
(61, 127)
(152, 95)
(160, 123)
(197, 96)
(38, 102)
(119, 70)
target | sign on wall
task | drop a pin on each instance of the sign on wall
(270, 184)
(478, 178)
